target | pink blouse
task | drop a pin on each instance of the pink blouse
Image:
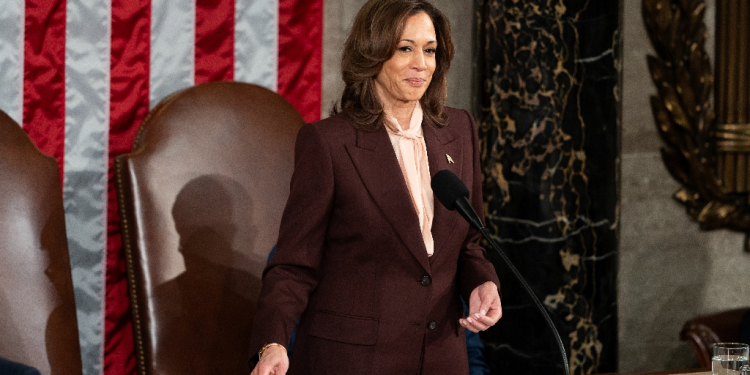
(411, 152)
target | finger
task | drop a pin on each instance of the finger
(490, 319)
(477, 303)
(270, 366)
(489, 302)
(262, 369)
(467, 326)
(495, 313)
(282, 368)
(479, 323)
(481, 299)
(272, 371)
(279, 369)
(476, 325)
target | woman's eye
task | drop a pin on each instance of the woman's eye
(430, 51)
(405, 49)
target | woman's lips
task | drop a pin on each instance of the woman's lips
(416, 82)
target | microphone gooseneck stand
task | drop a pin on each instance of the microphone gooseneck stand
(533, 297)
(453, 194)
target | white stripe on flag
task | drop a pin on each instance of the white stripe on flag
(87, 60)
(172, 64)
(256, 42)
(11, 58)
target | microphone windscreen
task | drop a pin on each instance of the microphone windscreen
(448, 188)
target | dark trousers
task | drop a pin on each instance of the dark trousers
(12, 368)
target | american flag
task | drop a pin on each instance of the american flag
(80, 76)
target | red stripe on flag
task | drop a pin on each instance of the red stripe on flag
(44, 76)
(129, 104)
(300, 55)
(214, 41)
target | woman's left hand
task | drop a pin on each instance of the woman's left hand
(484, 308)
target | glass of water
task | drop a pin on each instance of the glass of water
(729, 358)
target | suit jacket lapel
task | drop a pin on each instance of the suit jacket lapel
(376, 163)
(442, 147)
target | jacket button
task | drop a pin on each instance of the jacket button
(432, 325)
(426, 280)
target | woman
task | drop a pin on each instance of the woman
(371, 266)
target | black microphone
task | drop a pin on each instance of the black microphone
(453, 194)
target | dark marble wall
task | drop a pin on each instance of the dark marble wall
(548, 113)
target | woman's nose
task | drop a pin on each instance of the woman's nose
(419, 62)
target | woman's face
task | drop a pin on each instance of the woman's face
(406, 75)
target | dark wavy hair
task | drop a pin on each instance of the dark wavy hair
(373, 40)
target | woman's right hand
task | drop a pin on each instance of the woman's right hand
(273, 362)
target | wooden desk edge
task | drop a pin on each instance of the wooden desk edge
(690, 371)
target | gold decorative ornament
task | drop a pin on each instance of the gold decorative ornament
(708, 154)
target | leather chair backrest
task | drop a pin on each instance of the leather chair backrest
(705, 330)
(201, 198)
(38, 324)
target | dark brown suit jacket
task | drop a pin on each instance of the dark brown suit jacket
(352, 264)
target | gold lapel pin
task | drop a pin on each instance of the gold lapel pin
(450, 159)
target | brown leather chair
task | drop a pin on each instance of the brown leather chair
(704, 331)
(38, 325)
(201, 197)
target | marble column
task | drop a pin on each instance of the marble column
(549, 122)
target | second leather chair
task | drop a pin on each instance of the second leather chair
(201, 198)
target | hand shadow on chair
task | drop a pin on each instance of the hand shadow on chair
(208, 309)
